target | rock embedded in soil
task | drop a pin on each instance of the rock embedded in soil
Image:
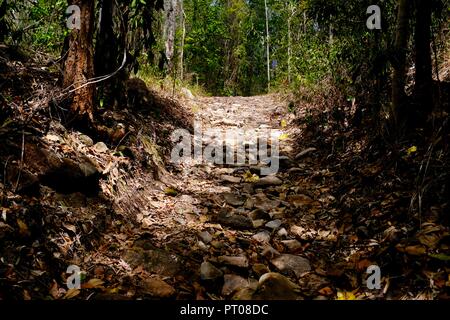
(86, 140)
(234, 221)
(275, 224)
(282, 233)
(262, 237)
(259, 214)
(209, 272)
(234, 199)
(205, 236)
(100, 147)
(269, 252)
(268, 181)
(234, 261)
(304, 153)
(292, 245)
(259, 269)
(274, 286)
(230, 179)
(233, 283)
(157, 288)
(288, 263)
(155, 261)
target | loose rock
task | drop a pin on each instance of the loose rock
(239, 261)
(209, 272)
(292, 263)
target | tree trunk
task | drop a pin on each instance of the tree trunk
(170, 28)
(106, 56)
(399, 64)
(79, 65)
(423, 77)
(183, 26)
(3, 26)
(267, 45)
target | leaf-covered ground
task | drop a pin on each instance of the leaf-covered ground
(140, 226)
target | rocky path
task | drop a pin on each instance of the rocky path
(227, 231)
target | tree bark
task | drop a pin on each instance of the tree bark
(79, 65)
(399, 63)
(423, 77)
(183, 26)
(267, 45)
(107, 55)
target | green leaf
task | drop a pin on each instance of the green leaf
(440, 256)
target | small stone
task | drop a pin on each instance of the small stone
(259, 269)
(157, 288)
(292, 245)
(275, 224)
(262, 237)
(237, 261)
(235, 221)
(209, 272)
(202, 246)
(233, 283)
(53, 137)
(304, 153)
(86, 140)
(258, 223)
(274, 286)
(205, 236)
(217, 244)
(247, 188)
(292, 263)
(282, 233)
(100, 147)
(269, 252)
(230, 179)
(233, 199)
(259, 214)
(268, 181)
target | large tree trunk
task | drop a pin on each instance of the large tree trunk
(267, 45)
(79, 65)
(399, 63)
(170, 27)
(3, 25)
(183, 37)
(107, 56)
(423, 85)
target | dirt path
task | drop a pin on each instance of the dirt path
(228, 231)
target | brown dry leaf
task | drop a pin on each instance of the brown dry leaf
(26, 295)
(327, 291)
(23, 228)
(54, 290)
(430, 235)
(416, 250)
(70, 227)
(71, 293)
(362, 265)
(93, 283)
(299, 200)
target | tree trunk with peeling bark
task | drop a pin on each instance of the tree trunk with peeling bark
(79, 64)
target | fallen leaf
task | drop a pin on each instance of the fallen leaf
(411, 150)
(327, 291)
(71, 293)
(249, 177)
(23, 228)
(343, 295)
(171, 192)
(93, 283)
(440, 256)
